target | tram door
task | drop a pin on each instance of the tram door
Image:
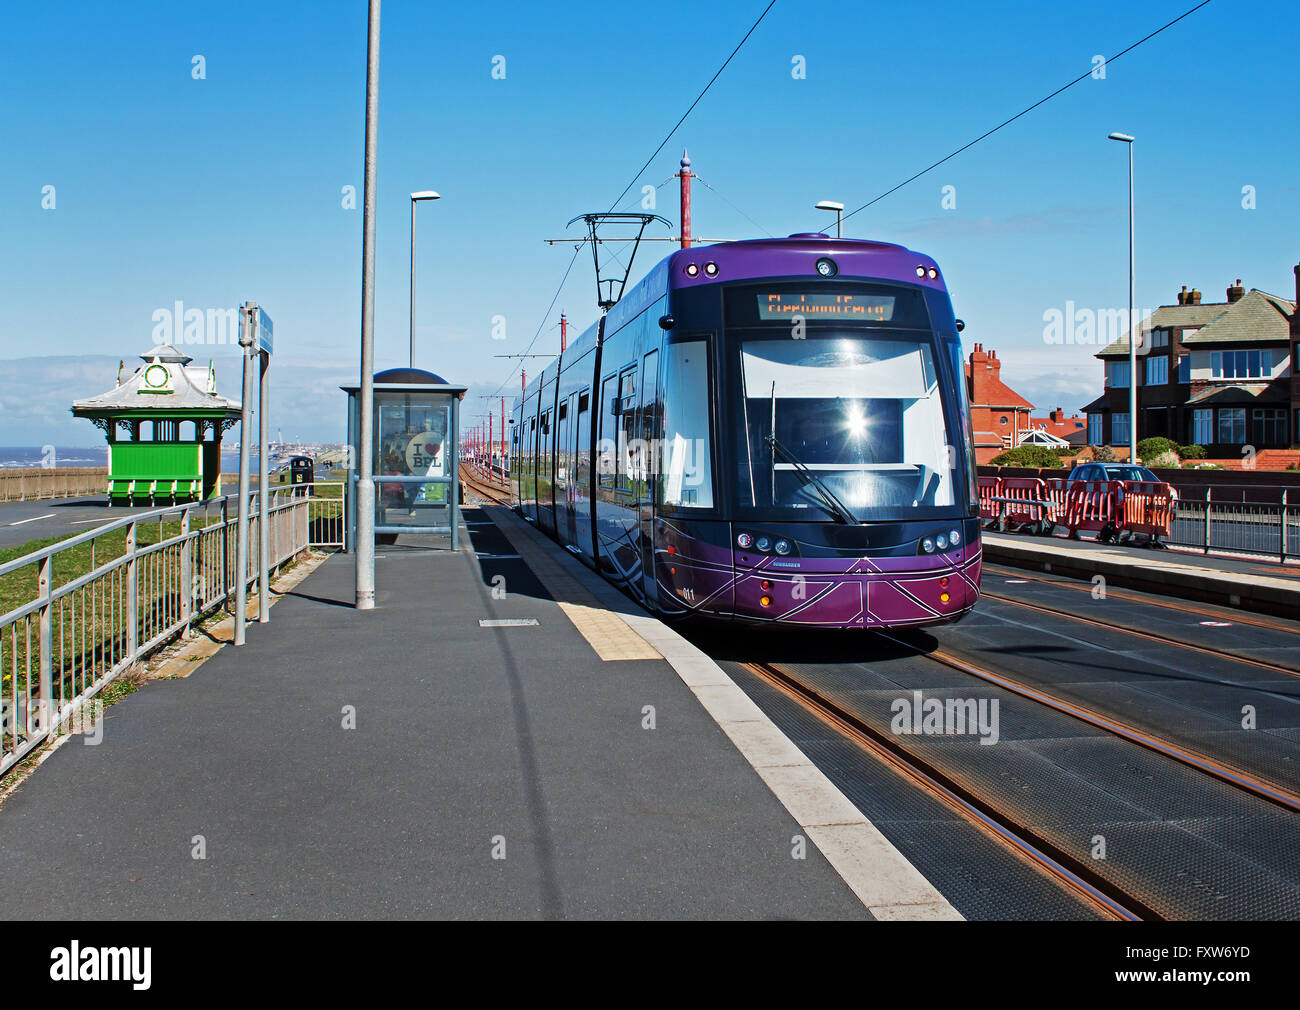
(647, 432)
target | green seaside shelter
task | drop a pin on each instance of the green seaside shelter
(164, 425)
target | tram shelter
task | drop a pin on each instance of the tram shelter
(416, 455)
(164, 425)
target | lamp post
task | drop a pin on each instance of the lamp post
(839, 214)
(424, 194)
(365, 507)
(1132, 337)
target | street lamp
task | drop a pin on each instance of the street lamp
(1132, 337)
(839, 213)
(424, 194)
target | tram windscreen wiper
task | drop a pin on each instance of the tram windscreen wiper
(833, 505)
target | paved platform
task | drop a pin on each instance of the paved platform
(500, 767)
(1252, 585)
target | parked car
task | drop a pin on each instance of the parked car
(1111, 471)
(1116, 472)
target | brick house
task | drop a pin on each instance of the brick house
(1072, 430)
(999, 415)
(1221, 375)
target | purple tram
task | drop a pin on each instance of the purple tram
(770, 431)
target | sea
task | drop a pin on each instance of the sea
(34, 455)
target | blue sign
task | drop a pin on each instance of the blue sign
(262, 331)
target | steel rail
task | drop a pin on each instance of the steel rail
(1215, 769)
(1151, 636)
(1188, 607)
(1067, 871)
(498, 494)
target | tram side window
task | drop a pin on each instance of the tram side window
(626, 429)
(605, 449)
(686, 466)
(583, 463)
(647, 450)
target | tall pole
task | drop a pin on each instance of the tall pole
(245, 423)
(1132, 327)
(686, 175)
(564, 332)
(365, 570)
(263, 491)
(412, 358)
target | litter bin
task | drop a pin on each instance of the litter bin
(302, 470)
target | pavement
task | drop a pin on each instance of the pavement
(410, 762)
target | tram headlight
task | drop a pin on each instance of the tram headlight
(920, 271)
(933, 273)
(941, 541)
(711, 269)
(954, 537)
(927, 544)
(782, 547)
(743, 541)
(692, 270)
(763, 544)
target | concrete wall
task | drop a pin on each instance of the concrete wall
(26, 483)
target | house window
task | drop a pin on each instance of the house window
(1002, 419)
(1116, 374)
(1232, 425)
(1269, 425)
(1096, 429)
(1239, 364)
(1157, 371)
(1119, 429)
(1160, 338)
(1184, 369)
(1202, 427)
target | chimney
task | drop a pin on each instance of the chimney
(1194, 297)
(1057, 416)
(1182, 296)
(980, 365)
(1236, 292)
(1295, 316)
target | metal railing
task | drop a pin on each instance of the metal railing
(1258, 521)
(91, 606)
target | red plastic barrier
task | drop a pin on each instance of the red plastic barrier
(1058, 493)
(1147, 507)
(1092, 505)
(1029, 492)
(988, 489)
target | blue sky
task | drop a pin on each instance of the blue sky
(225, 189)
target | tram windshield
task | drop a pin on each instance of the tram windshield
(844, 422)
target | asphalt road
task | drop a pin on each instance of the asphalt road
(24, 521)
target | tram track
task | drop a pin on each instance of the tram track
(1208, 650)
(1181, 607)
(1027, 844)
(1221, 771)
(493, 492)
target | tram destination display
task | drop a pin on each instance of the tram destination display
(785, 305)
